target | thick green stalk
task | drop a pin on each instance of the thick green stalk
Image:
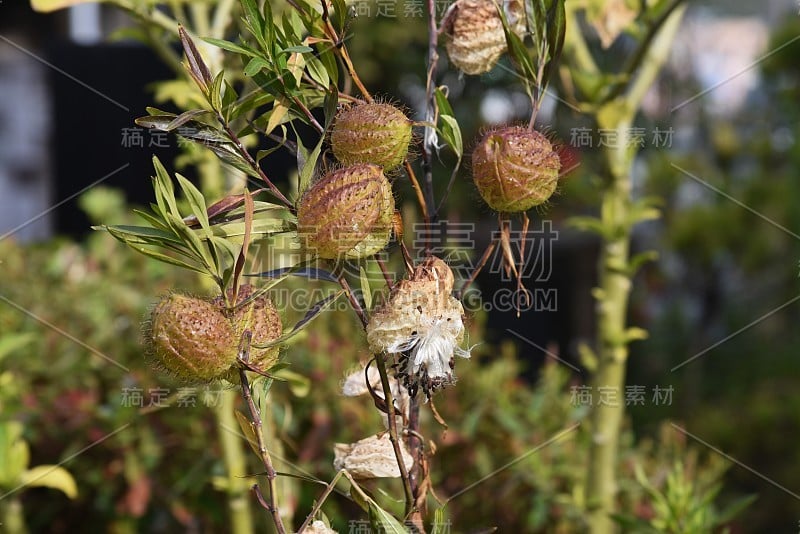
(11, 516)
(615, 274)
(233, 455)
(609, 378)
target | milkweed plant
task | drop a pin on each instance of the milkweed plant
(342, 219)
(343, 222)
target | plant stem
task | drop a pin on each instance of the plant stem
(12, 517)
(417, 190)
(387, 396)
(255, 418)
(615, 280)
(235, 465)
(393, 436)
(341, 51)
(252, 163)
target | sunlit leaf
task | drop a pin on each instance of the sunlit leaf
(50, 476)
(231, 47)
(366, 292)
(310, 273)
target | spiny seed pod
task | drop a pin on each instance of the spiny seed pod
(371, 133)
(347, 213)
(515, 169)
(475, 36)
(191, 338)
(259, 316)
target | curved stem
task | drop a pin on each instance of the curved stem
(341, 51)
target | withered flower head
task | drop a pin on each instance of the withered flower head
(424, 323)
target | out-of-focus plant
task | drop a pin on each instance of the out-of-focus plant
(16, 474)
(613, 98)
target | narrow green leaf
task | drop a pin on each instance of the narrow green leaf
(165, 192)
(231, 47)
(123, 231)
(308, 166)
(192, 241)
(385, 520)
(215, 91)
(229, 98)
(247, 429)
(152, 218)
(366, 292)
(330, 105)
(169, 259)
(254, 19)
(228, 155)
(339, 15)
(261, 228)
(328, 59)
(301, 49)
(556, 30)
(451, 132)
(256, 65)
(317, 71)
(183, 118)
(156, 122)
(196, 201)
(440, 523)
(252, 101)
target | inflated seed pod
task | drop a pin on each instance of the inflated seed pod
(475, 35)
(371, 133)
(515, 169)
(348, 213)
(190, 338)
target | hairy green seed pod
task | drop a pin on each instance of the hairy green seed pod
(191, 338)
(475, 35)
(515, 169)
(259, 316)
(347, 213)
(371, 133)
